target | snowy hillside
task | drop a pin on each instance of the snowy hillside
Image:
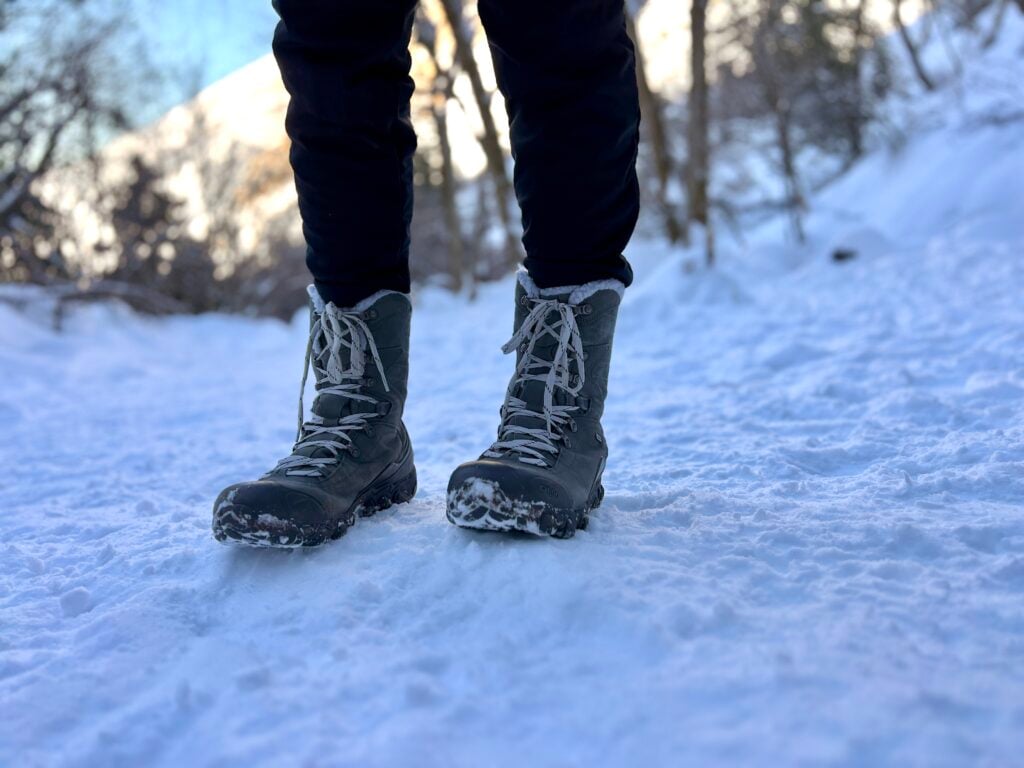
(811, 550)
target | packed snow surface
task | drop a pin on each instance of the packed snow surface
(811, 550)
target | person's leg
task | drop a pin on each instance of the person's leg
(567, 71)
(346, 66)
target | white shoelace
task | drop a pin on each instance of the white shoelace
(536, 445)
(333, 331)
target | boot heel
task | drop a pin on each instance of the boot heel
(405, 489)
(395, 490)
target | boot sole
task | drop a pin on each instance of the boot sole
(483, 506)
(245, 526)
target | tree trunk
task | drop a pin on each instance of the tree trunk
(908, 43)
(456, 246)
(699, 148)
(443, 87)
(795, 198)
(489, 141)
(654, 121)
(776, 101)
(856, 115)
(997, 23)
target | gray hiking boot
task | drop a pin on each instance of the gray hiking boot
(543, 474)
(353, 455)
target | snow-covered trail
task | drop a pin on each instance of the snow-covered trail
(811, 551)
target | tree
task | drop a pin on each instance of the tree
(57, 99)
(908, 43)
(489, 141)
(442, 91)
(698, 162)
(657, 134)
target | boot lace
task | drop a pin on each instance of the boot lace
(333, 331)
(539, 445)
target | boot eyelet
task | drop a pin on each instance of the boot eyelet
(522, 348)
(354, 450)
(586, 309)
(370, 314)
(574, 380)
(598, 438)
(573, 426)
(369, 381)
(524, 301)
(567, 442)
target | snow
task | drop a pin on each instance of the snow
(811, 550)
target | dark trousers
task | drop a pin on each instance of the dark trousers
(566, 70)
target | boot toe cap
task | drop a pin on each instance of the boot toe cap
(517, 481)
(273, 500)
(266, 513)
(504, 496)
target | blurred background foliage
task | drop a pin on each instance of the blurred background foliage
(143, 155)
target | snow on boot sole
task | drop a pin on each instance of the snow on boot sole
(241, 525)
(482, 505)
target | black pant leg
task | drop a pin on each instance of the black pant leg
(567, 71)
(346, 66)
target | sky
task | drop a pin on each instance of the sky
(204, 39)
(215, 37)
(197, 42)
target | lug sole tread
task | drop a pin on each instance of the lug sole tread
(467, 508)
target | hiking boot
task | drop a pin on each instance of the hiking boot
(352, 457)
(543, 473)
